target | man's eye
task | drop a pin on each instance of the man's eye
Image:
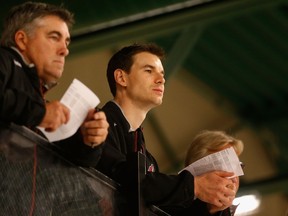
(54, 37)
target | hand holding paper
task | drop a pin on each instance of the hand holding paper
(79, 99)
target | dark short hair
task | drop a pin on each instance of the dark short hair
(123, 59)
(23, 15)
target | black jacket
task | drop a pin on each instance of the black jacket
(22, 102)
(172, 193)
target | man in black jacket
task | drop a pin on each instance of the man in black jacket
(136, 78)
(34, 45)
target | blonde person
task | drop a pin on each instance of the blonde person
(208, 142)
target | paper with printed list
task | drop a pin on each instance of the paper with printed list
(79, 99)
(225, 160)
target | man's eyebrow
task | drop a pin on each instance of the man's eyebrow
(55, 32)
(150, 66)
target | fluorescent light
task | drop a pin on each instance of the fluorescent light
(247, 204)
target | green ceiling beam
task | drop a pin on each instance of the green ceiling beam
(181, 49)
(144, 26)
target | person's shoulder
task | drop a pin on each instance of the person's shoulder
(111, 109)
(108, 105)
(5, 52)
(7, 57)
(9, 54)
(115, 116)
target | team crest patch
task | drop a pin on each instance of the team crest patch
(151, 168)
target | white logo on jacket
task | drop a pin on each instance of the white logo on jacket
(17, 63)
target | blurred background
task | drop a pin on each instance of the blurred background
(226, 69)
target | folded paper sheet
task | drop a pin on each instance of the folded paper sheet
(225, 160)
(79, 99)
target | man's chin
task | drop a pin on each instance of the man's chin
(159, 102)
(50, 81)
(53, 76)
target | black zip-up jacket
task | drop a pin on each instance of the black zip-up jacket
(22, 103)
(172, 193)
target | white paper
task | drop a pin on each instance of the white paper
(79, 99)
(225, 160)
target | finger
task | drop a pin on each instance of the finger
(218, 203)
(226, 201)
(91, 125)
(229, 191)
(93, 131)
(90, 115)
(98, 132)
(99, 123)
(99, 115)
(231, 186)
(66, 114)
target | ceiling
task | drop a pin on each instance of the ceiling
(236, 50)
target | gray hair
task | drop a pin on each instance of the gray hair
(23, 16)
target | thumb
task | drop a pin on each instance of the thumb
(90, 114)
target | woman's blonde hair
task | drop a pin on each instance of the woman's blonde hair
(208, 142)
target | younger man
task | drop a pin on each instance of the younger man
(136, 78)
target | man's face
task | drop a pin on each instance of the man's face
(145, 83)
(47, 47)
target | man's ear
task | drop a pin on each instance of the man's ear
(21, 40)
(120, 77)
